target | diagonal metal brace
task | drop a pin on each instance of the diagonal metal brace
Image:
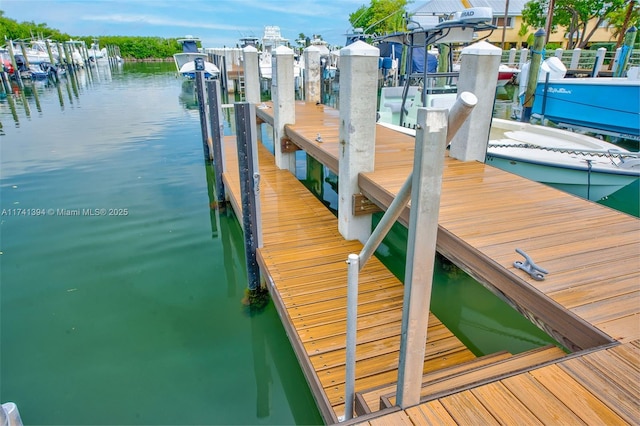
(529, 266)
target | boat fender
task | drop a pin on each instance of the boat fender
(529, 266)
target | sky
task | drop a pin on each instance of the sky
(217, 23)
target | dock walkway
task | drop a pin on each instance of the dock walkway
(589, 302)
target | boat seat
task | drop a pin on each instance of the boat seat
(394, 106)
(392, 97)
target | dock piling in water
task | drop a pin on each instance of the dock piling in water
(247, 143)
(217, 134)
(200, 94)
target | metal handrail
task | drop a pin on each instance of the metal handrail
(456, 117)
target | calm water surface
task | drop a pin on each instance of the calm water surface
(121, 289)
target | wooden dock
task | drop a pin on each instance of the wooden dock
(589, 301)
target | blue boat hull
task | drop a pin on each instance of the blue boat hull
(604, 104)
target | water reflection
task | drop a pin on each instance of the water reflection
(140, 309)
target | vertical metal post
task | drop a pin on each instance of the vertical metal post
(200, 95)
(352, 327)
(217, 135)
(250, 187)
(431, 136)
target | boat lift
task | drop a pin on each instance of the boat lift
(425, 30)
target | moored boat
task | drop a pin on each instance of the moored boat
(186, 60)
(581, 165)
(573, 162)
(603, 105)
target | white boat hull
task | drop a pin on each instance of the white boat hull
(575, 163)
(590, 185)
(186, 66)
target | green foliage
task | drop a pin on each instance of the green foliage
(580, 17)
(380, 17)
(130, 47)
(617, 17)
(142, 47)
(10, 29)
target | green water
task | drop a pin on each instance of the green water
(481, 320)
(134, 314)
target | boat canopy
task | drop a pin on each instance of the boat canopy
(189, 46)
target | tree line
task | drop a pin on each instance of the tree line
(579, 18)
(130, 47)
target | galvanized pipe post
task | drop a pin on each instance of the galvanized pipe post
(202, 110)
(431, 136)
(456, 117)
(245, 116)
(458, 113)
(217, 135)
(352, 327)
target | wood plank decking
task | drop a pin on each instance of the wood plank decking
(589, 300)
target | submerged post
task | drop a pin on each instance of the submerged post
(357, 132)
(312, 74)
(431, 143)
(532, 81)
(202, 109)
(283, 94)
(245, 116)
(478, 75)
(251, 74)
(217, 135)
